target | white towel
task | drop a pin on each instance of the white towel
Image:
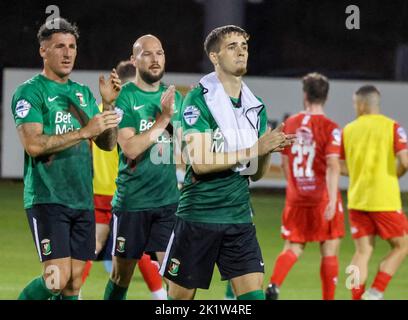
(239, 126)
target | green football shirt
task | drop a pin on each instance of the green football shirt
(64, 177)
(221, 197)
(150, 180)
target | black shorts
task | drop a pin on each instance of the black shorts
(61, 232)
(194, 248)
(145, 230)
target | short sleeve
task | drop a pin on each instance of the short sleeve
(400, 138)
(129, 118)
(93, 103)
(333, 145)
(263, 119)
(177, 108)
(194, 115)
(26, 105)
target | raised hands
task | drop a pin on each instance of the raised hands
(99, 123)
(274, 141)
(110, 88)
(167, 101)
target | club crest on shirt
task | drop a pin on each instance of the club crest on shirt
(191, 115)
(22, 108)
(81, 99)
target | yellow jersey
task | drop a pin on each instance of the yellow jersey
(105, 166)
(369, 146)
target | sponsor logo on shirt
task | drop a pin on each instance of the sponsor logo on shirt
(145, 125)
(191, 115)
(63, 122)
(22, 108)
(218, 143)
(52, 99)
(138, 107)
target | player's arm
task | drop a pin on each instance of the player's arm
(263, 166)
(264, 161)
(343, 168)
(332, 182)
(343, 163)
(133, 144)
(400, 149)
(36, 143)
(402, 165)
(285, 166)
(204, 161)
(109, 91)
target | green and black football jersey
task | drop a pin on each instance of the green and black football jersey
(148, 181)
(64, 177)
(221, 197)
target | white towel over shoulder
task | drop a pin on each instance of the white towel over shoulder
(239, 126)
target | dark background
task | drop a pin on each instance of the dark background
(288, 37)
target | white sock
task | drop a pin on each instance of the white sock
(160, 294)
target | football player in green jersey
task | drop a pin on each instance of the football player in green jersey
(225, 128)
(55, 119)
(147, 194)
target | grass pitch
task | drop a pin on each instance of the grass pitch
(19, 262)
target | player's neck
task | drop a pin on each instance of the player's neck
(143, 85)
(370, 111)
(49, 74)
(314, 108)
(232, 84)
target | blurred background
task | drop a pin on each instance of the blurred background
(289, 37)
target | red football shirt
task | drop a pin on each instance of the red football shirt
(317, 138)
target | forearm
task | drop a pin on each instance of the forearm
(139, 143)
(263, 166)
(107, 140)
(45, 144)
(107, 106)
(401, 170)
(210, 162)
(332, 182)
(343, 168)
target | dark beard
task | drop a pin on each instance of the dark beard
(240, 72)
(149, 78)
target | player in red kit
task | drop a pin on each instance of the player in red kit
(313, 209)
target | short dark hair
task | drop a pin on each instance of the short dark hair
(125, 70)
(44, 33)
(213, 40)
(366, 90)
(316, 87)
